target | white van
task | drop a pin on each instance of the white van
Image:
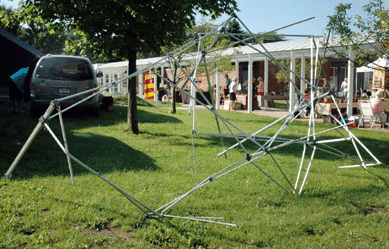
(58, 76)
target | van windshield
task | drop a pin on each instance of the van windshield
(62, 68)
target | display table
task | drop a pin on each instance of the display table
(331, 108)
(276, 97)
(271, 98)
(242, 99)
(186, 99)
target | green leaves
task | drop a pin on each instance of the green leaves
(113, 27)
(9, 20)
(355, 30)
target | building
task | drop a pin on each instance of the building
(253, 61)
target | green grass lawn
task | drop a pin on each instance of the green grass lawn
(40, 208)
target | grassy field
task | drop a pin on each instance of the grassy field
(40, 208)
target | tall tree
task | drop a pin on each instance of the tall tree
(235, 29)
(126, 27)
(34, 31)
(352, 31)
(10, 20)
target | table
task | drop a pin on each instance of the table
(331, 108)
(276, 97)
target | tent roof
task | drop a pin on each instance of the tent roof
(279, 50)
(381, 62)
(364, 69)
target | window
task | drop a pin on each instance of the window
(115, 78)
(125, 83)
(107, 81)
(57, 68)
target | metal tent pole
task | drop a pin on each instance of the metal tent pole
(31, 138)
(65, 142)
(134, 200)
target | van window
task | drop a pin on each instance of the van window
(58, 68)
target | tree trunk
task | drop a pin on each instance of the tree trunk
(174, 100)
(132, 118)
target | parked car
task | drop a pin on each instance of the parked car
(58, 76)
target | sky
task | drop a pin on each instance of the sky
(267, 15)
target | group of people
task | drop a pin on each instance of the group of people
(375, 100)
(234, 87)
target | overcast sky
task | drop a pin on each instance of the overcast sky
(267, 15)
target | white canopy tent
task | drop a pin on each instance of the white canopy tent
(364, 69)
(381, 62)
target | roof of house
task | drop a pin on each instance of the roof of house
(278, 50)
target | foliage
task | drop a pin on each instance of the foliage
(270, 37)
(236, 30)
(113, 27)
(373, 29)
(33, 30)
(126, 27)
(9, 20)
(275, 68)
(78, 44)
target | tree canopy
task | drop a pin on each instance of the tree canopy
(125, 27)
(9, 20)
(355, 30)
(119, 26)
(34, 31)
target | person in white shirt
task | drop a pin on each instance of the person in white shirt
(343, 87)
(232, 91)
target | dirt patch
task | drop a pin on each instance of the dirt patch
(107, 231)
(383, 209)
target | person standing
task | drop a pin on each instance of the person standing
(232, 91)
(307, 98)
(260, 86)
(16, 84)
(228, 81)
(343, 87)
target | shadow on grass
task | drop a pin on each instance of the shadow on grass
(157, 118)
(44, 157)
(102, 154)
(119, 114)
(379, 150)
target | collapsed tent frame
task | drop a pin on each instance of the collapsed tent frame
(266, 145)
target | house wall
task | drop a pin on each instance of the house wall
(330, 73)
(111, 75)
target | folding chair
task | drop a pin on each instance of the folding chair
(364, 94)
(367, 114)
